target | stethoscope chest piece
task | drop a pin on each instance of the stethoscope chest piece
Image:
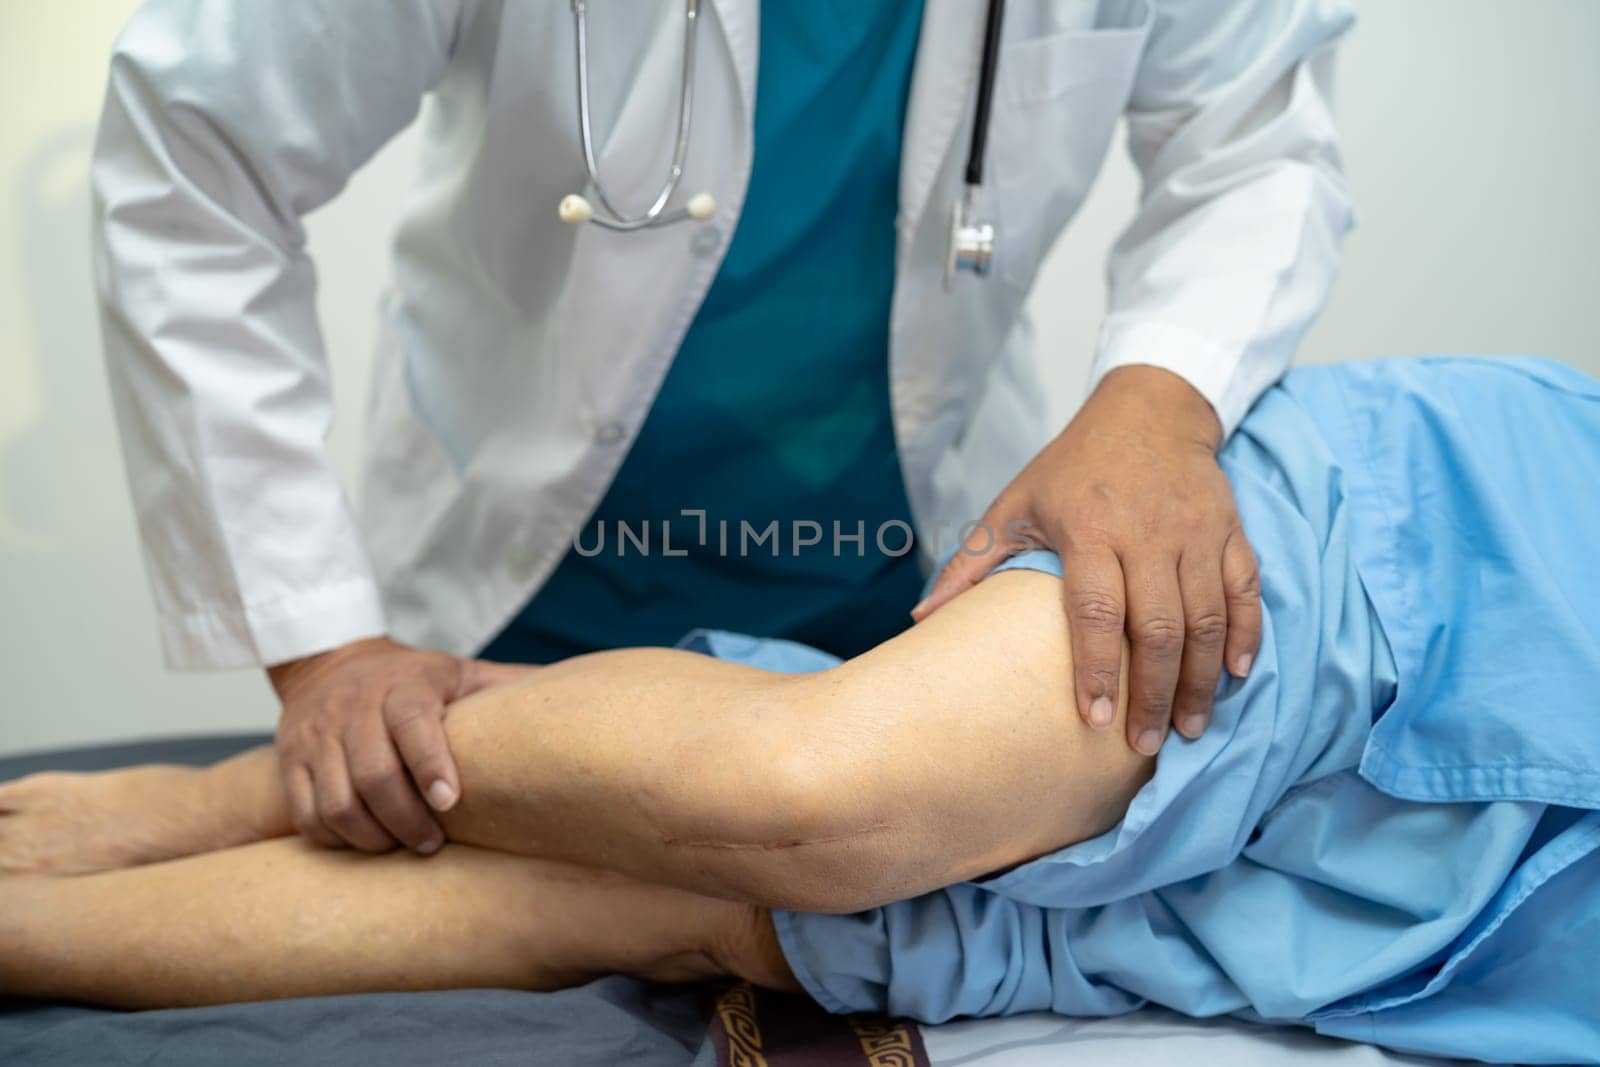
(972, 240)
(971, 243)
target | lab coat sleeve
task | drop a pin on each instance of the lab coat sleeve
(1243, 205)
(224, 124)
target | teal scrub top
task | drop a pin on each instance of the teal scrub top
(776, 408)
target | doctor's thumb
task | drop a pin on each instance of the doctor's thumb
(480, 674)
(985, 544)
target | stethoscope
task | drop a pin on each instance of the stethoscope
(971, 245)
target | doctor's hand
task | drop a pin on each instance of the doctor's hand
(1131, 497)
(361, 741)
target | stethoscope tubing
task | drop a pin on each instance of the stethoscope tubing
(971, 241)
(653, 215)
(987, 67)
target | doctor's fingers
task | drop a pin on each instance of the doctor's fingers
(339, 806)
(303, 806)
(1092, 585)
(414, 716)
(380, 779)
(1241, 582)
(1156, 633)
(1205, 627)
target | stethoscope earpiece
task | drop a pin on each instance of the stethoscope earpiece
(576, 210)
(701, 206)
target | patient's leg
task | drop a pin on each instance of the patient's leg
(946, 753)
(286, 919)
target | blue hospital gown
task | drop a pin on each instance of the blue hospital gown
(1390, 830)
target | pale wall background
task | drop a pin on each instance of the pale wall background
(1471, 142)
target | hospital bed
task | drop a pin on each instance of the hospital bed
(614, 1020)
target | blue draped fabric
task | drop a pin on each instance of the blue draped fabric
(1390, 832)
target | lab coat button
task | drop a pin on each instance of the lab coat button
(609, 433)
(706, 241)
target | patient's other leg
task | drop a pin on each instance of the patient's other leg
(285, 919)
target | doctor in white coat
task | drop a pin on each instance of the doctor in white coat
(538, 378)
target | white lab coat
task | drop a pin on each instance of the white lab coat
(520, 355)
